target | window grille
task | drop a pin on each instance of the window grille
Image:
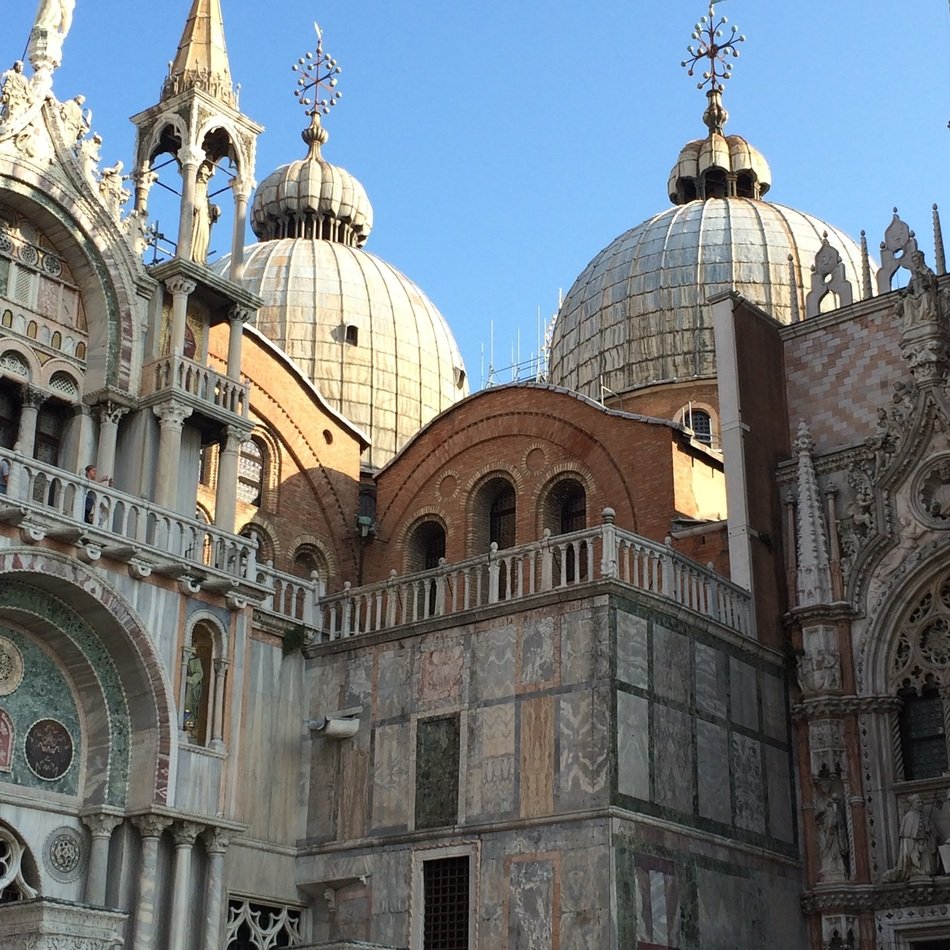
(446, 886)
(251, 472)
(253, 926)
(923, 743)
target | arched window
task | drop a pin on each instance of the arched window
(16, 865)
(565, 511)
(426, 546)
(923, 743)
(501, 518)
(251, 472)
(701, 423)
(307, 559)
(266, 552)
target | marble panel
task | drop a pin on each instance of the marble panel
(712, 768)
(583, 646)
(359, 681)
(437, 771)
(493, 664)
(633, 750)
(392, 785)
(354, 781)
(712, 684)
(582, 735)
(779, 791)
(743, 694)
(774, 712)
(539, 652)
(490, 773)
(747, 767)
(673, 758)
(439, 676)
(537, 756)
(393, 683)
(533, 905)
(671, 673)
(632, 650)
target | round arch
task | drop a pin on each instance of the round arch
(111, 659)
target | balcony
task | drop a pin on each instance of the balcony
(48, 502)
(516, 574)
(206, 391)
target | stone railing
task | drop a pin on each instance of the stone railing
(180, 374)
(555, 562)
(291, 597)
(65, 505)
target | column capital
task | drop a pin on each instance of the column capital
(216, 840)
(234, 438)
(190, 155)
(101, 824)
(239, 313)
(110, 411)
(180, 285)
(151, 826)
(184, 833)
(172, 415)
(32, 397)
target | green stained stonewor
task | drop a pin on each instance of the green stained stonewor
(437, 771)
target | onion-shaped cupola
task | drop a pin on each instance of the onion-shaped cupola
(370, 340)
(637, 315)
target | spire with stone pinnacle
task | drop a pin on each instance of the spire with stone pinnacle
(202, 58)
(814, 567)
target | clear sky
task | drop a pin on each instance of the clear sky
(504, 143)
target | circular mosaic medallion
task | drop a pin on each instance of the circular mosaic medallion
(29, 255)
(52, 265)
(64, 854)
(49, 749)
(11, 666)
(6, 243)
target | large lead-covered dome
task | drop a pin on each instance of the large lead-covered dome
(637, 315)
(372, 342)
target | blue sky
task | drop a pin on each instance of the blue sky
(504, 144)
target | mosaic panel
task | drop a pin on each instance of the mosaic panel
(64, 854)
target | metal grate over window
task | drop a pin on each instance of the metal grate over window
(446, 903)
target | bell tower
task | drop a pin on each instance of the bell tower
(198, 128)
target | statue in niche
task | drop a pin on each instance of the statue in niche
(205, 215)
(919, 303)
(831, 822)
(53, 20)
(194, 686)
(17, 94)
(918, 843)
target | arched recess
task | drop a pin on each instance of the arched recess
(424, 546)
(202, 694)
(113, 665)
(111, 281)
(492, 513)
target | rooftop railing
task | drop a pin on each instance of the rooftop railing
(68, 505)
(555, 562)
(184, 375)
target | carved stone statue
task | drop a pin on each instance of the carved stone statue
(918, 844)
(833, 849)
(194, 686)
(205, 215)
(89, 155)
(17, 92)
(53, 20)
(919, 304)
(111, 190)
(75, 120)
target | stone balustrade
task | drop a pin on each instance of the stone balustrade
(180, 374)
(291, 597)
(555, 562)
(123, 525)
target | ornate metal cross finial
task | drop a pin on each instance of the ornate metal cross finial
(319, 75)
(714, 45)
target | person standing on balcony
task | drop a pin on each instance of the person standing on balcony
(90, 506)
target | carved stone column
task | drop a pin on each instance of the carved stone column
(225, 501)
(241, 190)
(110, 415)
(237, 317)
(181, 289)
(171, 417)
(101, 825)
(217, 721)
(190, 158)
(184, 834)
(216, 843)
(150, 828)
(32, 399)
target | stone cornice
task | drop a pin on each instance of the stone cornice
(838, 707)
(856, 898)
